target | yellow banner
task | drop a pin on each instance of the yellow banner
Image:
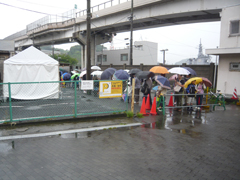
(110, 89)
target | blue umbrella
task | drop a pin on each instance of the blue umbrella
(66, 76)
(191, 71)
(106, 75)
(155, 88)
(63, 73)
(162, 81)
(121, 75)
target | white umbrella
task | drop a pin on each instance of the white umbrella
(95, 68)
(96, 73)
(77, 70)
(179, 70)
(126, 70)
(73, 72)
(82, 74)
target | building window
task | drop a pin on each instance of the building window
(234, 66)
(234, 27)
(102, 58)
(124, 57)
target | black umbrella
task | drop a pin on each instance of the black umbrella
(144, 74)
(134, 71)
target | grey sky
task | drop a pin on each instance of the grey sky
(181, 40)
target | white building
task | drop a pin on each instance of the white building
(143, 52)
(229, 51)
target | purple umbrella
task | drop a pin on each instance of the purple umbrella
(121, 75)
(191, 71)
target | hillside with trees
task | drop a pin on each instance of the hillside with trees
(72, 56)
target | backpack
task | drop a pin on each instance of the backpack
(192, 90)
(76, 77)
(145, 89)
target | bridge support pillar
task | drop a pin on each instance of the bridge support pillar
(96, 39)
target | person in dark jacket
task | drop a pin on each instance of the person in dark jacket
(191, 90)
(179, 82)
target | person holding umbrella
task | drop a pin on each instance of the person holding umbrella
(199, 96)
(179, 82)
(186, 78)
(137, 89)
(148, 86)
(191, 91)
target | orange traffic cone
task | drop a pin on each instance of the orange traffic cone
(143, 108)
(170, 101)
(154, 107)
(234, 94)
(148, 106)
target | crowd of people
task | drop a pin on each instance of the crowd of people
(193, 92)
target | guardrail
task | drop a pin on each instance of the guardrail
(219, 101)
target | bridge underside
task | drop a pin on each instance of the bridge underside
(155, 22)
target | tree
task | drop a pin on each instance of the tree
(75, 52)
(49, 48)
(64, 58)
(99, 48)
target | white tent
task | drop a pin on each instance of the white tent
(31, 65)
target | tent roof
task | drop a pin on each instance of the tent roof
(31, 55)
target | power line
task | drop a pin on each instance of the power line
(32, 10)
(41, 4)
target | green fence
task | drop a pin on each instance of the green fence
(54, 100)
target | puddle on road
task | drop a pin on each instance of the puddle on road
(88, 134)
(178, 122)
(76, 135)
(188, 132)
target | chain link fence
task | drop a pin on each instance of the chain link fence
(54, 100)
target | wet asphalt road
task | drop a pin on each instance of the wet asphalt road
(202, 145)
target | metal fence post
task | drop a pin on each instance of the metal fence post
(75, 99)
(127, 95)
(163, 108)
(10, 101)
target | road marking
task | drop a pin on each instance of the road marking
(66, 132)
(8, 106)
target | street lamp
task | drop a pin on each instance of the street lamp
(163, 50)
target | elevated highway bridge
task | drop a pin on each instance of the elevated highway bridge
(112, 17)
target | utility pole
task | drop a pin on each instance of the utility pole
(102, 56)
(215, 72)
(89, 15)
(131, 35)
(163, 50)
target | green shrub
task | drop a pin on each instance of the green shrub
(139, 115)
(130, 114)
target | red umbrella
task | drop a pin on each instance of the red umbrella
(206, 82)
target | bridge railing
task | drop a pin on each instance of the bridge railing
(101, 6)
(64, 17)
(51, 19)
